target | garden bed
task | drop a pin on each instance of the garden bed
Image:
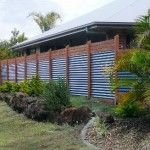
(123, 134)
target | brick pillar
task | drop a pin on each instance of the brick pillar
(67, 64)
(116, 47)
(50, 64)
(16, 70)
(89, 67)
(7, 70)
(25, 66)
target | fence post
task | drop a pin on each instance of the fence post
(89, 68)
(25, 66)
(67, 64)
(0, 73)
(50, 64)
(16, 70)
(116, 46)
(7, 71)
(37, 62)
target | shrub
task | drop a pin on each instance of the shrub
(56, 95)
(32, 87)
(6, 87)
(25, 87)
(127, 109)
(36, 85)
(15, 87)
(10, 87)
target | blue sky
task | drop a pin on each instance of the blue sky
(13, 13)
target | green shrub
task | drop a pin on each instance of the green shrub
(127, 109)
(15, 87)
(36, 86)
(6, 87)
(25, 87)
(32, 87)
(10, 87)
(56, 95)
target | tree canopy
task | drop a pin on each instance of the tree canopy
(45, 22)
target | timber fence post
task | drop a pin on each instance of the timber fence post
(25, 66)
(67, 64)
(37, 62)
(116, 47)
(50, 64)
(89, 68)
(16, 70)
(7, 70)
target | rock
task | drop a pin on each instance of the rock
(105, 117)
(18, 103)
(37, 111)
(74, 116)
(21, 95)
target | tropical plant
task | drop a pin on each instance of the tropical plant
(137, 62)
(143, 31)
(45, 22)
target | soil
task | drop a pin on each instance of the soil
(123, 134)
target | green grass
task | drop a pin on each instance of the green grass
(19, 133)
(79, 101)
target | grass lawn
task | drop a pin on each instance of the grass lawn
(19, 133)
(78, 101)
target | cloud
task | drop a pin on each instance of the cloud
(13, 13)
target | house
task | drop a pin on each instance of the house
(104, 23)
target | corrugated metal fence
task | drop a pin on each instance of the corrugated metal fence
(83, 66)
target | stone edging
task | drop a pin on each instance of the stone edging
(83, 135)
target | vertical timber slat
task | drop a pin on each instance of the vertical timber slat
(116, 46)
(89, 67)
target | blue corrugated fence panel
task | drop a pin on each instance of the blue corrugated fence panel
(100, 80)
(44, 69)
(31, 69)
(58, 68)
(78, 75)
(20, 72)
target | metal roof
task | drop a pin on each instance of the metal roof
(116, 12)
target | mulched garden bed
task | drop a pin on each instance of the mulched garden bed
(123, 134)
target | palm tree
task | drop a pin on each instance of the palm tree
(143, 31)
(45, 22)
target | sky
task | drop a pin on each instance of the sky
(14, 13)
